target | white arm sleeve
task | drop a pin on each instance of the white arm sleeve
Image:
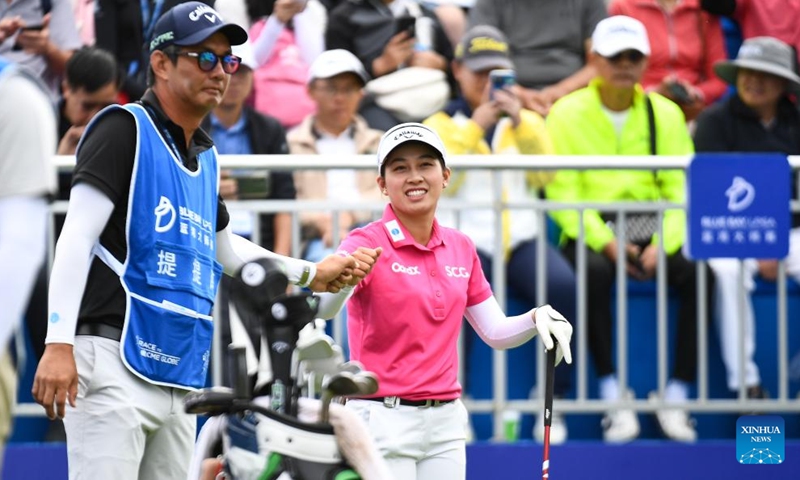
(309, 31)
(234, 251)
(497, 330)
(265, 43)
(88, 212)
(23, 233)
(331, 303)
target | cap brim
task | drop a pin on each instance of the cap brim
(236, 35)
(727, 71)
(479, 64)
(362, 74)
(611, 49)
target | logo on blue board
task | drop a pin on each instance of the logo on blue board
(738, 205)
(760, 440)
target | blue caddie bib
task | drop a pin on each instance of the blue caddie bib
(170, 274)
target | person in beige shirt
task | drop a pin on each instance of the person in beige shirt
(336, 82)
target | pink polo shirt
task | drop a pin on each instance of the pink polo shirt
(404, 317)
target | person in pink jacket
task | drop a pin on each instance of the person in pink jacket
(685, 42)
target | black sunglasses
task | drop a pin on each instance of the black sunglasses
(633, 56)
(207, 61)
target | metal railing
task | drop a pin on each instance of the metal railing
(496, 163)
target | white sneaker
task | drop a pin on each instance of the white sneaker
(675, 423)
(621, 425)
(558, 429)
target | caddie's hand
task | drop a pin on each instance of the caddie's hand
(551, 324)
(56, 380)
(366, 258)
(333, 273)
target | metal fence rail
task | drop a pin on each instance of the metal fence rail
(496, 163)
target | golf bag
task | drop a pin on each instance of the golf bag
(255, 426)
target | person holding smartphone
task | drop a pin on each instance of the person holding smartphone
(40, 41)
(381, 35)
(488, 118)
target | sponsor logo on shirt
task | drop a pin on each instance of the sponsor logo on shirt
(394, 230)
(412, 270)
(457, 272)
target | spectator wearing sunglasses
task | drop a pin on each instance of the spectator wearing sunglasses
(612, 117)
(138, 262)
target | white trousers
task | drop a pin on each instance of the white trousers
(726, 271)
(124, 428)
(418, 443)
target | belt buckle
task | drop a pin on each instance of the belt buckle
(390, 402)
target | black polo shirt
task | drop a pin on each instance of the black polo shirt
(105, 161)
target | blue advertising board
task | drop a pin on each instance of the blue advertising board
(738, 205)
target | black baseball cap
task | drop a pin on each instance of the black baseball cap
(482, 48)
(189, 24)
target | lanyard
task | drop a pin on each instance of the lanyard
(165, 133)
(148, 20)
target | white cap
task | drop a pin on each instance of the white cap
(408, 132)
(619, 33)
(335, 62)
(245, 52)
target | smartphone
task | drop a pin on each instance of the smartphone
(27, 28)
(501, 79)
(679, 93)
(405, 24)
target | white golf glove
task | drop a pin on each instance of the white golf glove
(549, 324)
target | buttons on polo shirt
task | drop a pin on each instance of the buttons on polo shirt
(433, 274)
(438, 293)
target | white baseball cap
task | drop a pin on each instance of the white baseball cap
(619, 33)
(245, 52)
(408, 132)
(335, 62)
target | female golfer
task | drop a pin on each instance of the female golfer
(404, 317)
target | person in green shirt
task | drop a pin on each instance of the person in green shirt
(612, 116)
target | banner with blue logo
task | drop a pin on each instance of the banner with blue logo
(738, 205)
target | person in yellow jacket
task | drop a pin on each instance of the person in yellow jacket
(612, 116)
(484, 121)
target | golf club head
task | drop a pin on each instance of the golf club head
(367, 383)
(353, 366)
(210, 401)
(340, 384)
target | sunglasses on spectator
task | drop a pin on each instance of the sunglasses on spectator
(633, 56)
(207, 61)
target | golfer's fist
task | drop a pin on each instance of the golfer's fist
(550, 324)
(334, 272)
(366, 258)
